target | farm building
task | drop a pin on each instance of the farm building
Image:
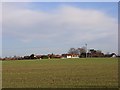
(70, 55)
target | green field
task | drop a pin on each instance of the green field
(60, 73)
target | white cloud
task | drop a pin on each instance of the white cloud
(65, 24)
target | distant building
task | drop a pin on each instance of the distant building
(70, 55)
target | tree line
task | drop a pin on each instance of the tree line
(80, 52)
(83, 52)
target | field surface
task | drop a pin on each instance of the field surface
(60, 73)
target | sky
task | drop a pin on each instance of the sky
(55, 27)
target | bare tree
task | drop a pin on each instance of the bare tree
(73, 51)
(82, 50)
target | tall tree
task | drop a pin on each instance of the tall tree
(73, 51)
(82, 50)
(32, 56)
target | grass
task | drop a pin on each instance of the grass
(60, 73)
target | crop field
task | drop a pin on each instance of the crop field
(60, 73)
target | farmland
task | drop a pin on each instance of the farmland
(60, 73)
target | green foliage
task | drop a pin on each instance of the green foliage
(44, 57)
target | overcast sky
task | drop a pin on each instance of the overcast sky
(48, 27)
